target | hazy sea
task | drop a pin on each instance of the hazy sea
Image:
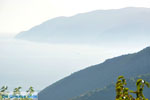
(24, 63)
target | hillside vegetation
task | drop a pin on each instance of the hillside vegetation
(108, 92)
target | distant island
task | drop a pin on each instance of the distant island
(114, 26)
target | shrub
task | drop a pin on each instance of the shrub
(123, 93)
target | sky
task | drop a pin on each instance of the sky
(21, 15)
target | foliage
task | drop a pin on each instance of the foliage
(108, 92)
(16, 94)
(123, 93)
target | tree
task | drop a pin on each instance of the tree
(140, 87)
(122, 93)
(17, 92)
(30, 92)
(3, 92)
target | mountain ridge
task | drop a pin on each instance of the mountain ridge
(94, 27)
(98, 76)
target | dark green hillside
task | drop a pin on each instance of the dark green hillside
(108, 92)
(98, 76)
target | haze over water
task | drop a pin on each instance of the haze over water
(25, 63)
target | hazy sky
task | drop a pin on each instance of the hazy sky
(20, 15)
